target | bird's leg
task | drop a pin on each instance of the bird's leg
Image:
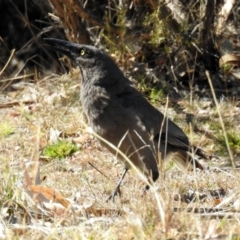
(117, 189)
(152, 179)
(147, 187)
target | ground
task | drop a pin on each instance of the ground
(48, 198)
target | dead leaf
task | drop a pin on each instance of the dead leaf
(50, 194)
(229, 59)
(27, 177)
(56, 208)
(212, 229)
(85, 137)
(217, 201)
(54, 135)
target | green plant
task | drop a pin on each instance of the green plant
(233, 141)
(60, 150)
(5, 129)
(156, 94)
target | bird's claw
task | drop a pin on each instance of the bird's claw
(114, 194)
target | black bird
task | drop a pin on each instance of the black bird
(120, 114)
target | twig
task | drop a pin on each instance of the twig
(16, 78)
(14, 103)
(12, 53)
(98, 170)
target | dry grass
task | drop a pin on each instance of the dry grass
(200, 205)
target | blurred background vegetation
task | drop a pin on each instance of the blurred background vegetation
(162, 45)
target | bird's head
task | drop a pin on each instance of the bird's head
(93, 62)
(84, 55)
(96, 67)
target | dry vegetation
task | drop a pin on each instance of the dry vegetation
(200, 205)
(55, 176)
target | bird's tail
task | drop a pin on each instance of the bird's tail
(186, 162)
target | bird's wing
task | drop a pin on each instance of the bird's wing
(152, 119)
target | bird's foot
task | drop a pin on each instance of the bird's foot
(114, 194)
(144, 190)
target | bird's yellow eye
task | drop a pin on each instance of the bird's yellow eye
(82, 52)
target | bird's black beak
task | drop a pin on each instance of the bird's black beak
(64, 47)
